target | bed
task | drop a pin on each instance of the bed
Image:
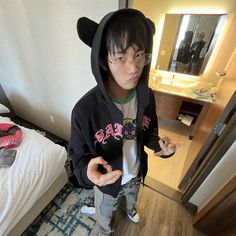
(34, 179)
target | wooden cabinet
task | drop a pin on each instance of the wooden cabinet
(171, 106)
(167, 106)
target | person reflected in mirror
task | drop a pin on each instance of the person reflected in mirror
(195, 52)
(183, 52)
(112, 123)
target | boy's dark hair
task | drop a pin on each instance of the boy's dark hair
(122, 31)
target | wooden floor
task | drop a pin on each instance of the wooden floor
(169, 171)
(160, 216)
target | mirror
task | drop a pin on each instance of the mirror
(187, 42)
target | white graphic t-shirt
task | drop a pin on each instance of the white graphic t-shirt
(131, 163)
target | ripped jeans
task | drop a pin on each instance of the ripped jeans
(106, 205)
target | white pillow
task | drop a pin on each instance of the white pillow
(4, 109)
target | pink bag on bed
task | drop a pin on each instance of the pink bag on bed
(10, 135)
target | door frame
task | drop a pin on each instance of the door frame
(211, 140)
(123, 4)
(221, 206)
(216, 153)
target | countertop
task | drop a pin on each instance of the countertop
(198, 90)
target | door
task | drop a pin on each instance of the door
(221, 123)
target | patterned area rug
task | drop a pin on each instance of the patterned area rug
(62, 217)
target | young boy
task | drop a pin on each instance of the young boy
(114, 120)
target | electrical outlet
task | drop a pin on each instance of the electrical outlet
(52, 119)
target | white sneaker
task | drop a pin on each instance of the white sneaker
(134, 215)
(87, 210)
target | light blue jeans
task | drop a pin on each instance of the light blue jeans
(106, 206)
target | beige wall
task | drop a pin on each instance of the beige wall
(166, 46)
(224, 94)
(155, 9)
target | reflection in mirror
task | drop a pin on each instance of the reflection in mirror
(187, 42)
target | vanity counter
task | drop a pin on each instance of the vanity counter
(195, 89)
(186, 105)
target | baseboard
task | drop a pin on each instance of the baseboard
(191, 208)
(28, 124)
(163, 189)
(170, 193)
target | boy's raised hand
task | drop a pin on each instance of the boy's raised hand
(167, 146)
(99, 178)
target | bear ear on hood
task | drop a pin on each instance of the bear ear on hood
(86, 29)
(152, 26)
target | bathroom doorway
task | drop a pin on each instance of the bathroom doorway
(172, 177)
(169, 170)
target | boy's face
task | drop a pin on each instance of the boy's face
(125, 68)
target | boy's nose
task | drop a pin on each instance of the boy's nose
(132, 66)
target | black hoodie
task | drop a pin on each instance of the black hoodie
(97, 124)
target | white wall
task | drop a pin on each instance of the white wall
(221, 174)
(44, 67)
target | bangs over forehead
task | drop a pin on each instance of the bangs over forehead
(125, 30)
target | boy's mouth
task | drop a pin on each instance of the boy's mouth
(134, 79)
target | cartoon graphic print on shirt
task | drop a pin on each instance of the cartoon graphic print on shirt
(116, 130)
(129, 126)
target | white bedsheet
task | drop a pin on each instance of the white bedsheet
(38, 162)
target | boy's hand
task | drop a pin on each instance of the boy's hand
(97, 177)
(167, 146)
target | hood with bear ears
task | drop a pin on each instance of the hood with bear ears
(91, 34)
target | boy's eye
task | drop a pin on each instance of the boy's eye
(140, 54)
(119, 59)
